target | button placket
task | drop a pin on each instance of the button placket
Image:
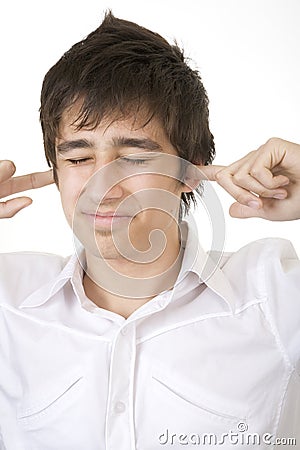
(120, 407)
(119, 424)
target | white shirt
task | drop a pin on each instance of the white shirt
(220, 357)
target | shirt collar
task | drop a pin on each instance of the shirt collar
(205, 265)
(73, 269)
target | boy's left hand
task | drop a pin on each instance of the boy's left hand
(265, 183)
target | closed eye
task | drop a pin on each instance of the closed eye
(136, 161)
(78, 161)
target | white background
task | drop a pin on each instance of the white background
(248, 52)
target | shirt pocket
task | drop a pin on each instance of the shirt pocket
(186, 403)
(50, 405)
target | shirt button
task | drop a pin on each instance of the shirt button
(120, 407)
(124, 331)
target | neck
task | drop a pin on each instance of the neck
(122, 286)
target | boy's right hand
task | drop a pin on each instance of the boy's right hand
(10, 185)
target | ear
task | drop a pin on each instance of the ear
(191, 179)
(55, 177)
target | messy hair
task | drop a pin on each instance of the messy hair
(121, 69)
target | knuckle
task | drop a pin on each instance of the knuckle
(33, 180)
(263, 192)
(269, 184)
(221, 175)
(238, 177)
(255, 171)
(240, 198)
(10, 166)
(272, 141)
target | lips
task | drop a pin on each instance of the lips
(108, 219)
(106, 214)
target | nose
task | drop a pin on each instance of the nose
(104, 185)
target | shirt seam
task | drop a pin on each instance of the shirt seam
(54, 325)
(266, 310)
(131, 391)
(183, 324)
(204, 317)
(269, 318)
(109, 393)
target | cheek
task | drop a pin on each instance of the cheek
(151, 181)
(159, 200)
(157, 190)
(70, 190)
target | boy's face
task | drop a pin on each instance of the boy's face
(106, 189)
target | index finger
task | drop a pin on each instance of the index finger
(26, 182)
(209, 172)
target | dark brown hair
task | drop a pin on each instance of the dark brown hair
(122, 68)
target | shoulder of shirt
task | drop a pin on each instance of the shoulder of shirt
(250, 269)
(261, 249)
(21, 273)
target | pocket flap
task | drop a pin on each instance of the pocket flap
(37, 401)
(199, 397)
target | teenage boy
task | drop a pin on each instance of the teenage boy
(126, 345)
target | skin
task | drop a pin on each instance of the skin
(10, 185)
(265, 183)
(96, 149)
(76, 167)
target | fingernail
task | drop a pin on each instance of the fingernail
(279, 196)
(254, 204)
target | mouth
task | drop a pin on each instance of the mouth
(107, 219)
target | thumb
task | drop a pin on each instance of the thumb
(242, 211)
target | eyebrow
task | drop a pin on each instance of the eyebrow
(143, 143)
(67, 146)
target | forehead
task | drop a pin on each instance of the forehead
(133, 123)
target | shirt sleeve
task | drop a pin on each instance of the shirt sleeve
(282, 281)
(2, 447)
